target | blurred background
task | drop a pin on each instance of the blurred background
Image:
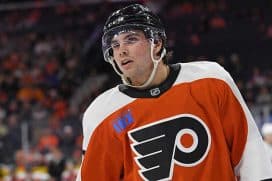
(51, 68)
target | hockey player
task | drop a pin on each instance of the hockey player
(182, 122)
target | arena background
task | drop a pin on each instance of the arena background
(51, 68)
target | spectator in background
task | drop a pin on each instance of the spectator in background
(56, 164)
(67, 140)
(258, 78)
(267, 136)
(48, 141)
(264, 99)
(14, 134)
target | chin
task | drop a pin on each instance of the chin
(128, 73)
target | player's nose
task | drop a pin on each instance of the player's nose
(123, 51)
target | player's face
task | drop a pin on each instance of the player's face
(131, 51)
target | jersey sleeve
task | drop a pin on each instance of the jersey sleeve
(245, 143)
(100, 142)
(87, 131)
(86, 126)
(103, 157)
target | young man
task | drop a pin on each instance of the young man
(178, 122)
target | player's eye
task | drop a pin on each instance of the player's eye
(115, 45)
(132, 39)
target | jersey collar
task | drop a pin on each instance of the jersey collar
(155, 91)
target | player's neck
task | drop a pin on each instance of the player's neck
(161, 75)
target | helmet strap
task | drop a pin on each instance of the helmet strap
(152, 74)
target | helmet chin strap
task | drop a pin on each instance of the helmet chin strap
(152, 74)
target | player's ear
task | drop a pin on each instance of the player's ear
(158, 47)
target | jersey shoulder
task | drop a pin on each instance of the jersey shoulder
(102, 107)
(101, 100)
(200, 70)
(105, 104)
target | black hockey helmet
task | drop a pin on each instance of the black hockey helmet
(132, 17)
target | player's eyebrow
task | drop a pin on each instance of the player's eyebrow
(114, 41)
(126, 37)
(132, 34)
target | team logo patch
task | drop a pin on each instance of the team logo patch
(183, 140)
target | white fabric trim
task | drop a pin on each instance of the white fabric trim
(100, 108)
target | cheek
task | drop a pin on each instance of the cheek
(116, 58)
(114, 54)
(143, 52)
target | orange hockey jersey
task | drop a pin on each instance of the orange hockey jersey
(195, 126)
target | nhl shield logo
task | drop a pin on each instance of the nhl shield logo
(154, 92)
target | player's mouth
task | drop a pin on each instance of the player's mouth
(126, 63)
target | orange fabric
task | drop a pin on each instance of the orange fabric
(109, 155)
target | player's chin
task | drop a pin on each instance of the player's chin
(127, 72)
(130, 75)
